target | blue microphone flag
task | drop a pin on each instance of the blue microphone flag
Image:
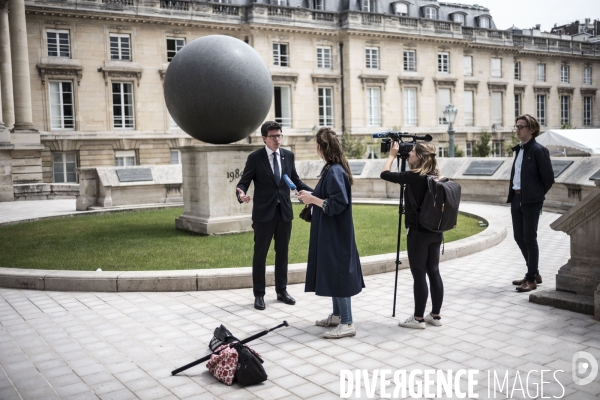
(289, 182)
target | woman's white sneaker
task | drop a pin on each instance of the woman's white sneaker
(432, 320)
(340, 331)
(411, 322)
(331, 320)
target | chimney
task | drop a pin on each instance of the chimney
(538, 26)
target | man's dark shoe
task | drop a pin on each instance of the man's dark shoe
(527, 286)
(259, 302)
(286, 298)
(538, 280)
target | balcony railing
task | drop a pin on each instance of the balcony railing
(371, 19)
(174, 5)
(226, 9)
(469, 32)
(119, 2)
(495, 34)
(442, 27)
(321, 16)
(409, 22)
(279, 12)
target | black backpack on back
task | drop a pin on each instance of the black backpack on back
(439, 210)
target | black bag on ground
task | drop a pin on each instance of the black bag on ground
(221, 336)
(249, 369)
(439, 210)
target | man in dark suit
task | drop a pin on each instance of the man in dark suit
(272, 210)
(530, 179)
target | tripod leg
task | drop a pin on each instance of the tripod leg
(400, 212)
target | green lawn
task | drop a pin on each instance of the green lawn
(148, 240)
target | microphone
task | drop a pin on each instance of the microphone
(290, 184)
(426, 138)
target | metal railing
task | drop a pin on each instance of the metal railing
(175, 5)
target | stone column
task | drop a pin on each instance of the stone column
(8, 106)
(6, 186)
(20, 67)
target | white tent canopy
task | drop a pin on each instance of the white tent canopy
(582, 140)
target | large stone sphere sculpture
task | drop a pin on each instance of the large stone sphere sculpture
(218, 89)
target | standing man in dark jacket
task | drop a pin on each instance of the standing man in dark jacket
(272, 210)
(530, 179)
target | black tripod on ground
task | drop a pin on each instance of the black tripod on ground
(401, 168)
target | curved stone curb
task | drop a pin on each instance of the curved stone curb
(227, 278)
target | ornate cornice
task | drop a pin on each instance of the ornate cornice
(519, 89)
(497, 86)
(444, 83)
(373, 80)
(411, 81)
(60, 72)
(542, 89)
(471, 85)
(285, 78)
(566, 91)
(121, 72)
(588, 91)
(326, 78)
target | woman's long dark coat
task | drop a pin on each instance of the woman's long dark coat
(333, 267)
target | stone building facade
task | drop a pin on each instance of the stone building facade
(82, 81)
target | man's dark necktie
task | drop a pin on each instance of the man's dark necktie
(276, 168)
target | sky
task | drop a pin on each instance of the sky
(525, 14)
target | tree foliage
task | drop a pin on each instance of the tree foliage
(354, 148)
(509, 145)
(482, 147)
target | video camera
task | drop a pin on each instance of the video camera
(405, 147)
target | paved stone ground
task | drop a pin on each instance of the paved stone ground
(124, 345)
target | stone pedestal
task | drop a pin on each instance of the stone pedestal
(581, 274)
(210, 175)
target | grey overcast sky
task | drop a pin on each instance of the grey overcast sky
(525, 14)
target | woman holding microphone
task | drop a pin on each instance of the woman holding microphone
(423, 245)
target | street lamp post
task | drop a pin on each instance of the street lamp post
(450, 114)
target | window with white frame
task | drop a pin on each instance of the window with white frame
(372, 57)
(62, 105)
(484, 22)
(317, 5)
(458, 18)
(120, 47)
(469, 149)
(564, 73)
(565, 110)
(518, 105)
(175, 156)
(497, 108)
(325, 106)
(541, 72)
(124, 158)
(369, 6)
(541, 109)
(324, 57)
(587, 75)
(496, 148)
(59, 43)
(517, 70)
(410, 107)
(587, 111)
(496, 67)
(123, 111)
(410, 60)
(469, 115)
(63, 167)
(281, 57)
(280, 2)
(430, 12)
(172, 124)
(401, 9)
(283, 105)
(443, 100)
(443, 149)
(443, 62)
(468, 66)
(173, 46)
(373, 106)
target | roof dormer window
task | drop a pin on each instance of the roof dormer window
(459, 18)
(368, 6)
(400, 9)
(484, 22)
(430, 12)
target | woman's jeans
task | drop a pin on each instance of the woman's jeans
(342, 308)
